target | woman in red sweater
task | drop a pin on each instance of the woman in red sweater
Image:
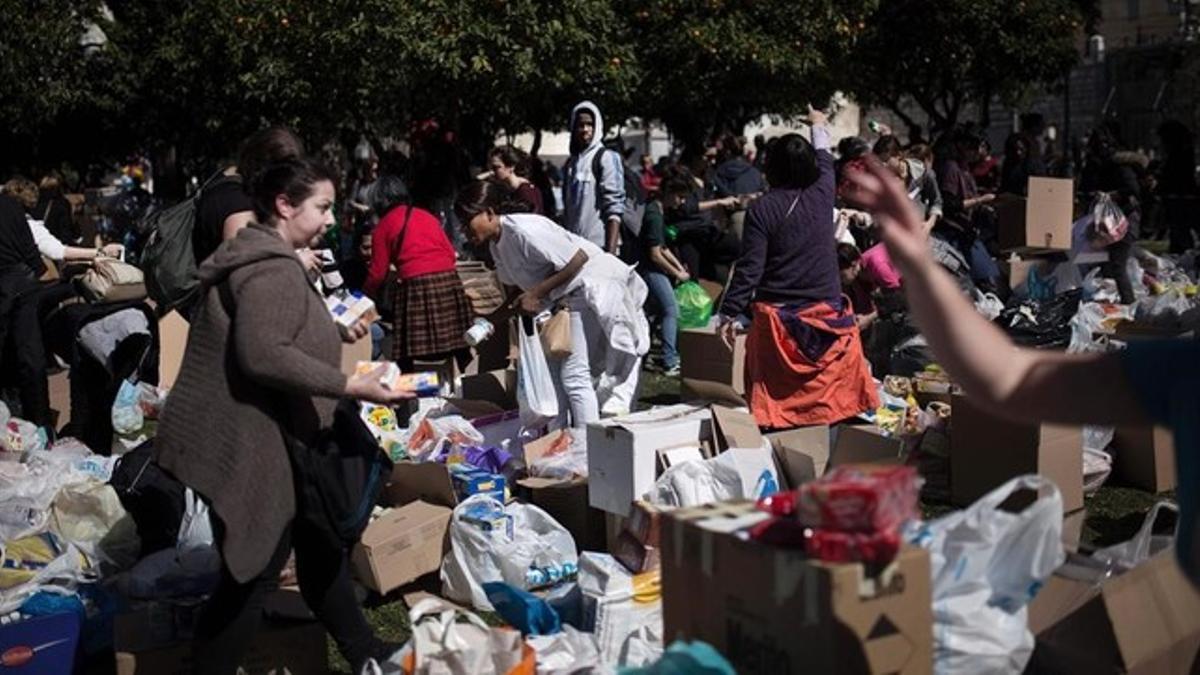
(431, 310)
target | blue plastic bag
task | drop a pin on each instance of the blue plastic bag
(522, 610)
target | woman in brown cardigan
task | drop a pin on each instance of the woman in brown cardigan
(260, 379)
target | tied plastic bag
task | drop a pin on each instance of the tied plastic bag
(1109, 224)
(695, 305)
(482, 551)
(1145, 544)
(90, 516)
(39, 563)
(536, 397)
(987, 564)
(447, 640)
(21, 437)
(127, 415)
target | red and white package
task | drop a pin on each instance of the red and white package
(860, 498)
(847, 547)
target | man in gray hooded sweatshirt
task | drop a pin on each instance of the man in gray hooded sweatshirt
(593, 204)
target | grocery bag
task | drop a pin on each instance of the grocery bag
(695, 305)
(987, 564)
(536, 397)
(1144, 545)
(480, 553)
(1109, 224)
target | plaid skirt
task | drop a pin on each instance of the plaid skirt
(431, 314)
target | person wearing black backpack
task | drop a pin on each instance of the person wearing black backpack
(248, 422)
(593, 182)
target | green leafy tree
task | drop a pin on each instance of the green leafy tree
(943, 56)
(716, 64)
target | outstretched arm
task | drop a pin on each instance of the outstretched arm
(1024, 384)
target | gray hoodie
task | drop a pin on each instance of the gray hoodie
(586, 208)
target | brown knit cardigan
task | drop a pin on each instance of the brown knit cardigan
(262, 361)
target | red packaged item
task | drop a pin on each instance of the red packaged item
(860, 498)
(785, 532)
(780, 504)
(845, 547)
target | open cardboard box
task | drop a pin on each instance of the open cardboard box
(1145, 621)
(565, 500)
(1042, 220)
(1144, 457)
(986, 451)
(803, 453)
(865, 444)
(770, 609)
(709, 370)
(401, 545)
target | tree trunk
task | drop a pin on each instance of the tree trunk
(537, 142)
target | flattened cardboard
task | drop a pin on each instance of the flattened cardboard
(623, 451)
(498, 387)
(865, 444)
(1040, 221)
(986, 451)
(429, 482)
(156, 639)
(401, 545)
(772, 610)
(710, 372)
(1144, 457)
(1146, 621)
(734, 429)
(802, 454)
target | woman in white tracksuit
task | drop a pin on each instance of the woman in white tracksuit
(609, 332)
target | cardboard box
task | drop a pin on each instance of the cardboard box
(802, 454)
(734, 429)
(401, 545)
(709, 370)
(156, 639)
(622, 451)
(498, 387)
(772, 610)
(564, 500)
(1040, 221)
(1144, 457)
(469, 482)
(986, 451)
(172, 342)
(60, 397)
(1146, 621)
(1072, 530)
(428, 482)
(866, 444)
(42, 645)
(636, 556)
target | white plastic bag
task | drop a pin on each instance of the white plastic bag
(987, 564)
(90, 516)
(644, 646)
(42, 562)
(1129, 554)
(988, 305)
(449, 641)
(1097, 464)
(431, 436)
(695, 483)
(193, 567)
(478, 555)
(536, 396)
(569, 651)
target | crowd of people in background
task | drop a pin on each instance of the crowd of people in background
(787, 226)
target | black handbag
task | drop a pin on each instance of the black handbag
(339, 480)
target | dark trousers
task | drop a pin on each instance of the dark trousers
(1183, 220)
(21, 346)
(231, 617)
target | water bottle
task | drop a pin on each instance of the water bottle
(480, 331)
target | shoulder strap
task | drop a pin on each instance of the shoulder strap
(399, 243)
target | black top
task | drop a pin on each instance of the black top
(18, 252)
(789, 254)
(220, 200)
(652, 234)
(55, 213)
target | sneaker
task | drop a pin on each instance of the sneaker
(672, 371)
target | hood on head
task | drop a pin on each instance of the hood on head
(253, 244)
(597, 136)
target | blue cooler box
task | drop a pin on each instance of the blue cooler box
(42, 645)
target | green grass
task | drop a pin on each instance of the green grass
(1114, 514)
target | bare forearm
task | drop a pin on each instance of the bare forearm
(1025, 384)
(563, 276)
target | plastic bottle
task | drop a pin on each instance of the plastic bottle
(479, 332)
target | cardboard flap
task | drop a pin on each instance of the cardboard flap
(669, 457)
(425, 481)
(402, 520)
(1050, 212)
(1154, 609)
(803, 453)
(708, 390)
(866, 445)
(735, 429)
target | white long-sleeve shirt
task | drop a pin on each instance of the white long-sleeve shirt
(48, 245)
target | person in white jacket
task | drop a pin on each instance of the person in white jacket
(550, 266)
(593, 204)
